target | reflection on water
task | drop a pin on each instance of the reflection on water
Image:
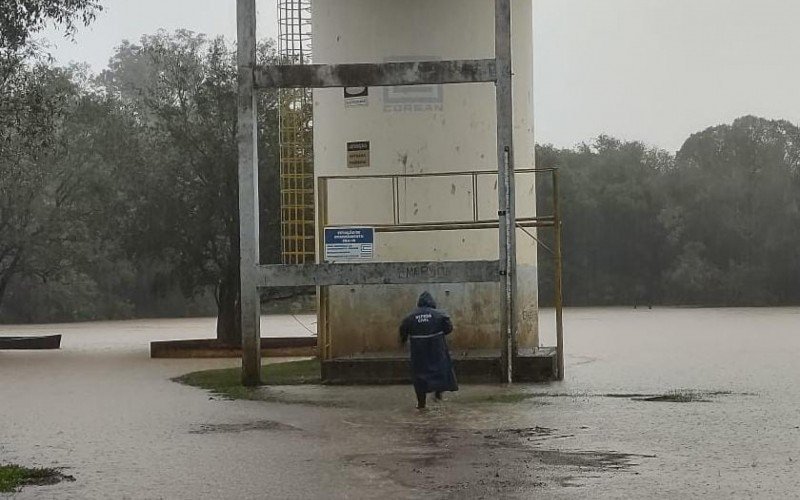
(663, 402)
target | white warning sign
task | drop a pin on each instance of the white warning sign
(358, 154)
(356, 97)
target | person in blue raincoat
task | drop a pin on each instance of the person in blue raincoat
(432, 369)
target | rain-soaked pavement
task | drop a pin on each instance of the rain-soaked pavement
(113, 419)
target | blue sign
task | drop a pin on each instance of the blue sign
(349, 243)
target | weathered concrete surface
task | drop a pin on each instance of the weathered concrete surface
(427, 129)
(475, 367)
(375, 75)
(110, 415)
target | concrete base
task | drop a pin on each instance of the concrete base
(212, 348)
(470, 366)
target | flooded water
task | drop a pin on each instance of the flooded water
(115, 421)
(746, 443)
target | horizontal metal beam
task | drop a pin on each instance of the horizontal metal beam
(378, 273)
(522, 222)
(455, 225)
(375, 75)
(420, 175)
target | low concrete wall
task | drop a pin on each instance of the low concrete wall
(365, 319)
(540, 366)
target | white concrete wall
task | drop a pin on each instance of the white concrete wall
(451, 128)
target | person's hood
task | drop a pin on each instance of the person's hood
(426, 300)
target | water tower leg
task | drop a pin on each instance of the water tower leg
(505, 161)
(248, 194)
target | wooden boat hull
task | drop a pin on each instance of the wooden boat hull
(30, 343)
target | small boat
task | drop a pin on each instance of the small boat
(30, 343)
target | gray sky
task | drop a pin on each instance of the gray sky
(651, 70)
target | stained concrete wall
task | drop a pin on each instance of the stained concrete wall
(449, 128)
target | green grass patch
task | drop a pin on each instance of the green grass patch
(13, 477)
(228, 382)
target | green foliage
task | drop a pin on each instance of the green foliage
(737, 189)
(44, 202)
(20, 18)
(12, 477)
(182, 185)
(121, 189)
(715, 224)
(609, 199)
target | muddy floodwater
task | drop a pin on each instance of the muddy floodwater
(668, 403)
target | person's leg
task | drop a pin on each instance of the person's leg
(421, 399)
(438, 395)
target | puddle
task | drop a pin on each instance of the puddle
(599, 460)
(529, 432)
(261, 425)
(470, 463)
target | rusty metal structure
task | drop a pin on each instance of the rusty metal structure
(295, 137)
(502, 271)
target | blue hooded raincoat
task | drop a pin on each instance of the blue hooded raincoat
(426, 328)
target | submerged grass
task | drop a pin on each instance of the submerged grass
(228, 382)
(509, 398)
(676, 396)
(12, 477)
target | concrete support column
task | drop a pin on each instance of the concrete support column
(248, 193)
(506, 191)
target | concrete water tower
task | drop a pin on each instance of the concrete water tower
(423, 149)
(412, 130)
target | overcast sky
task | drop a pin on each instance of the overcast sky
(650, 70)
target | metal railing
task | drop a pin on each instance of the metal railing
(475, 222)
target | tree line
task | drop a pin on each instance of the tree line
(118, 192)
(716, 224)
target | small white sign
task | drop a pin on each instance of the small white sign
(358, 154)
(356, 97)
